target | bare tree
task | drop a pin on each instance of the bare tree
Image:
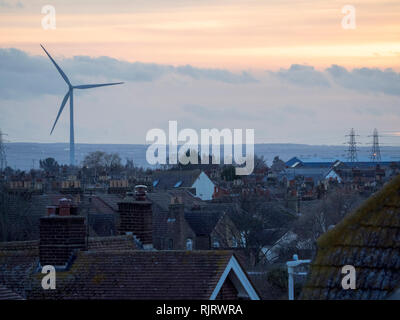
(15, 222)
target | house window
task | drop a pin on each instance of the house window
(234, 242)
(189, 244)
(215, 243)
(170, 244)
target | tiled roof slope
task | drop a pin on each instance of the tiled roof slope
(15, 269)
(19, 245)
(106, 203)
(168, 179)
(203, 222)
(123, 242)
(6, 294)
(163, 198)
(368, 239)
(20, 259)
(138, 275)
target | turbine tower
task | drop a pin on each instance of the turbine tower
(70, 95)
(3, 160)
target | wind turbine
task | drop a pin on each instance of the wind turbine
(70, 95)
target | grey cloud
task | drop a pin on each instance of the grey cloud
(216, 74)
(303, 75)
(208, 113)
(366, 79)
(23, 75)
(9, 4)
(298, 111)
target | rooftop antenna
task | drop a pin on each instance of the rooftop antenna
(375, 151)
(352, 150)
(70, 95)
(291, 266)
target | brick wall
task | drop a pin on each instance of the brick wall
(136, 217)
(59, 237)
(203, 243)
(177, 228)
(228, 291)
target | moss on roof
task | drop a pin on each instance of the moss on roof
(130, 274)
(369, 240)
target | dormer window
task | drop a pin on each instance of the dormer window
(234, 242)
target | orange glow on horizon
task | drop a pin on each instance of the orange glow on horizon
(258, 35)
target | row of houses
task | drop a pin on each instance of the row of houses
(135, 263)
(197, 181)
(128, 265)
(313, 179)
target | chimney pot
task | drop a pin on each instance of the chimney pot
(140, 192)
(51, 210)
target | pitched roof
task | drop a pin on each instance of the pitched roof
(15, 266)
(203, 222)
(106, 203)
(314, 173)
(7, 294)
(19, 259)
(122, 242)
(162, 199)
(170, 179)
(139, 275)
(369, 240)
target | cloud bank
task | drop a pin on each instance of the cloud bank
(300, 104)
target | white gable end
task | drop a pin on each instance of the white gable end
(204, 187)
(239, 280)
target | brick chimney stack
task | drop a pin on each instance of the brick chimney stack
(136, 216)
(62, 232)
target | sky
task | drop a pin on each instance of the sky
(285, 68)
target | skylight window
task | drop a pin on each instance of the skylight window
(178, 184)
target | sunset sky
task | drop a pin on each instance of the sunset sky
(211, 33)
(289, 60)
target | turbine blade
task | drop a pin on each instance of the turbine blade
(58, 68)
(61, 109)
(88, 86)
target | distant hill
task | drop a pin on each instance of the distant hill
(26, 155)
